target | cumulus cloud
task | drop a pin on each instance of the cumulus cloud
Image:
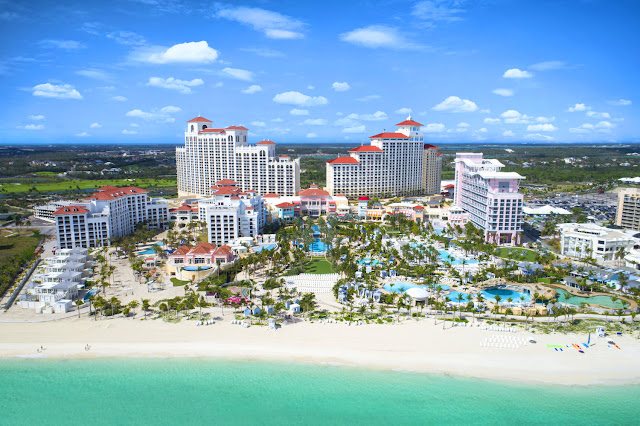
(621, 102)
(32, 127)
(508, 133)
(438, 10)
(238, 74)
(192, 52)
(277, 120)
(311, 135)
(547, 127)
(258, 123)
(379, 36)
(403, 111)
(182, 86)
(341, 87)
(38, 117)
(482, 130)
(297, 111)
(254, 88)
(456, 104)
(516, 73)
(299, 99)
(57, 91)
(514, 117)
(119, 98)
(315, 121)
(548, 66)
(355, 129)
(272, 24)
(434, 128)
(61, 44)
(463, 124)
(503, 92)
(83, 135)
(368, 98)
(492, 121)
(161, 115)
(545, 119)
(95, 74)
(129, 132)
(594, 114)
(579, 108)
(538, 137)
(376, 116)
(127, 38)
(95, 125)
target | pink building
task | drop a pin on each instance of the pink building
(203, 254)
(490, 197)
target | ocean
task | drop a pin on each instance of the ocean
(204, 391)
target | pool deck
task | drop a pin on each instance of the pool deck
(575, 292)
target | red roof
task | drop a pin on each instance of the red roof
(387, 135)
(71, 210)
(249, 208)
(418, 208)
(285, 205)
(363, 199)
(271, 195)
(184, 208)
(203, 248)
(450, 186)
(223, 250)
(198, 118)
(344, 160)
(266, 143)
(313, 192)
(366, 148)
(226, 182)
(114, 192)
(211, 131)
(235, 198)
(284, 156)
(409, 123)
(237, 128)
(227, 191)
(182, 250)
(429, 146)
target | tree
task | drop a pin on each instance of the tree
(133, 305)
(79, 303)
(145, 306)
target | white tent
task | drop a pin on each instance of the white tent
(545, 210)
(417, 293)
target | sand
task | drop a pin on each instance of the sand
(411, 345)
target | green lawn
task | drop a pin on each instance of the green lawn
(318, 266)
(14, 252)
(72, 185)
(179, 283)
(518, 254)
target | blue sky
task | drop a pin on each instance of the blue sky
(301, 71)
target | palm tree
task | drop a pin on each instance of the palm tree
(460, 298)
(133, 304)
(498, 299)
(145, 306)
(79, 303)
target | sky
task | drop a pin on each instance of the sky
(134, 71)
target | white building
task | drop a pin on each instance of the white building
(490, 197)
(211, 155)
(45, 212)
(431, 169)
(628, 211)
(585, 240)
(391, 165)
(110, 213)
(231, 213)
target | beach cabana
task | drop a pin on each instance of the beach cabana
(294, 308)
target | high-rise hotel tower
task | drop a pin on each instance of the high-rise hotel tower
(214, 154)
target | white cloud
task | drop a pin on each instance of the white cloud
(503, 92)
(403, 111)
(355, 129)
(95, 125)
(134, 125)
(516, 73)
(182, 86)
(547, 127)
(95, 74)
(32, 127)
(191, 52)
(433, 128)
(456, 104)
(61, 44)
(548, 66)
(129, 132)
(492, 121)
(485, 111)
(315, 121)
(297, 111)
(602, 126)
(300, 99)
(258, 123)
(368, 98)
(264, 52)
(514, 117)
(376, 116)
(621, 102)
(161, 115)
(39, 117)
(579, 130)
(379, 36)
(254, 88)
(508, 133)
(545, 119)
(119, 98)
(277, 120)
(463, 124)
(311, 135)
(438, 10)
(579, 107)
(341, 87)
(82, 135)
(605, 125)
(57, 91)
(594, 114)
(271, 24)
(483, 130)
(128, 38)
(538, 137)
(238, 74)
(310, 87)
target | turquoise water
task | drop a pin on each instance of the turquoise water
(453, 296)
(198, 391)
(148, 252)
(318, 246)
(196, 268)
(268, 246)
(605, 301)
(368, 261)
(504, 295)
(447, 257)
(406, 285)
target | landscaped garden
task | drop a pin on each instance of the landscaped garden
(318, 266)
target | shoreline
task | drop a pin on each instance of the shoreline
(413, 346)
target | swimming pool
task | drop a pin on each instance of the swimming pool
(367, 261)
(448, 257)
(90, 293)
(600, 300)
(453, 296)
(397, 286)
(318, 246)
(505, 294)
(148, 252)
(261, 247)
(195, 268)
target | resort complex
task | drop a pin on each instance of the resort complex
(215, 154)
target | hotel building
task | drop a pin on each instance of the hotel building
(628, 211)
(392, 165)
(585, 240)
(213, 154)
(431, 169)
(110, 213)
(490, 197)
(312, 201)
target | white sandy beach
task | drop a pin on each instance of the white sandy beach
(412, 345)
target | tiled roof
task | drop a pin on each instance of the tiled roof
(271, 195)
(198, 118)
(203, 248)
(237, 128)
(226, 191)
(344, 160)
(114, 192)
(266, 143)
(409, 123)
(182, 250)
(184, 208)
(223, 250)
(388, 135)
(366, 148)
(418, 208)
(429, 146)
(313, 192)
(71, 210)
(285, 205)
(226, 182)
(211, 131)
